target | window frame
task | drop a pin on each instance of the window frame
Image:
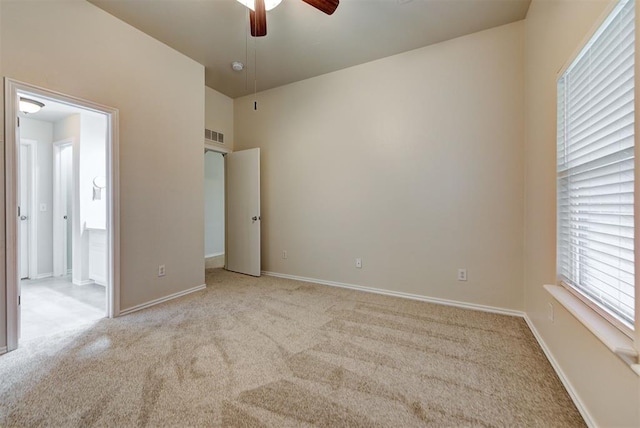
(632, 334)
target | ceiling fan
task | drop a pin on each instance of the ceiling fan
(258, 13)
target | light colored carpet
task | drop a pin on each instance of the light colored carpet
(252, 352)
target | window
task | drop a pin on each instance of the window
(596, 171)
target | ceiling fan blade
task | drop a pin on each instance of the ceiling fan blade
(326, 6)
(258, 20)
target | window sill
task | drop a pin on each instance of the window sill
(616, 341)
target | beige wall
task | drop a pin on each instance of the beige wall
(413, 163)
(75, 48)
(218, 115)
(607, 387)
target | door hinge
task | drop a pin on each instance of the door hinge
(19, 300)
(18, 211)
(18, 122)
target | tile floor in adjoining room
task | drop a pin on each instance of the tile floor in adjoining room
(53, 305)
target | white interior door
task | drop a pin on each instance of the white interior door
(24, 201)
(62, 181)
(243, 212)
(66, 193)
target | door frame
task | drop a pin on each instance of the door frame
(59, 227)
(11, 90)
(33, 207)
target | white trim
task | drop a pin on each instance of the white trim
(216, 148)
(446, 302)
(3, 350)
(585, 40)
(588, 301)
(85, 282)
(44, 275)
(563, 378)
(614, 339)
(113, 213)
(636, 188)
(206, 256)
(162, 300)
(11, 89)
(12, 283)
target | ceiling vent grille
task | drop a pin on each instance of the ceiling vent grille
(210, 135)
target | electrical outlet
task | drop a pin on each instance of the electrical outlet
(550, 313)
(462, 274)
(161, 270)
(284, 254)
(359, 263)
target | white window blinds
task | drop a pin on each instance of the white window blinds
(596, 169)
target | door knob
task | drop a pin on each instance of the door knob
(23, 217)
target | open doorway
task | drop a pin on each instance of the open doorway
(62, 182)
(237, 200)
(214, 208)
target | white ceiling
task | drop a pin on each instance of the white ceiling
(301, 41)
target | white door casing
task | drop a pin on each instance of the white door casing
(13, 89)
(243, 211)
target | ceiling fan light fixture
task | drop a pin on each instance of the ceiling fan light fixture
(27, 105)
(268, 4)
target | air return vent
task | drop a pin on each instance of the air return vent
(210, 135)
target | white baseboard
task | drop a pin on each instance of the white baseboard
(214, 262)
(44, 275)
(3, 350)
(419, 297)
(563, 378)
(85, 282)
(163, 299)
(207, 256)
